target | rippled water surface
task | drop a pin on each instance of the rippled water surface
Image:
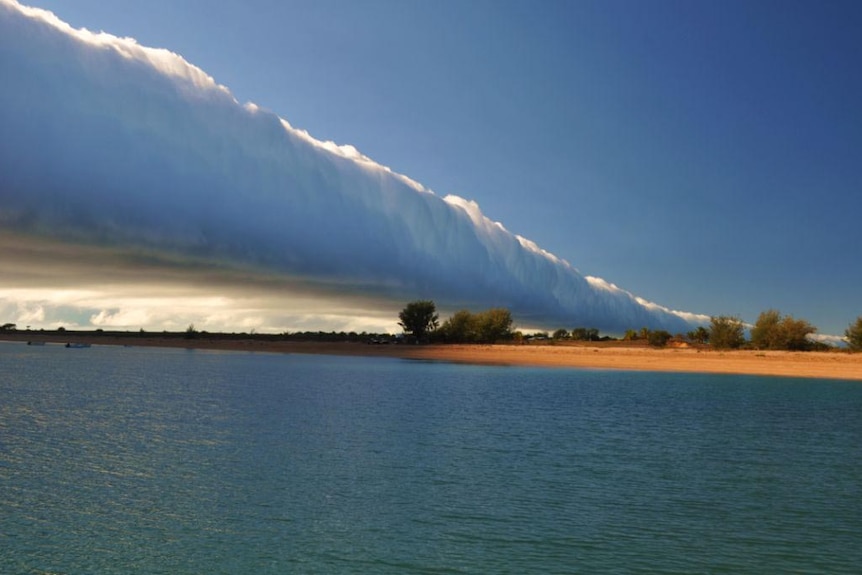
(126, 460)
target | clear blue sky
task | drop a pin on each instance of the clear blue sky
(704, 155)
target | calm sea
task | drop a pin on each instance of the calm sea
(134, 460)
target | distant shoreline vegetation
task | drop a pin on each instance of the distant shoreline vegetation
(772, 331)
(420, 323)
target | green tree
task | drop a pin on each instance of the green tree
(766, 331)
(7, 327)
(726, 332)
(460, 328)
(774, 331)
(493, 325)
(795, 332)
(699, 335)
(418, 319)
(853, 333)
(488, 326)
(560, 334)
(585, 334)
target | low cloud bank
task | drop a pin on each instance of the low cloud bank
(108, 143)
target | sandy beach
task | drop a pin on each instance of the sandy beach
(611, 355)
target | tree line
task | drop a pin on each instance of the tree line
(771, 331)
(420, 322)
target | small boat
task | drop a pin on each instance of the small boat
(77, 345)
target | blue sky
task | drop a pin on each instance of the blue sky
(702, 155)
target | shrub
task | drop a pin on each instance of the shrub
(772, 331)
(853, 333)
(726, 332)
(658, 338)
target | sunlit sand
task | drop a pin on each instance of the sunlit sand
(613, 355)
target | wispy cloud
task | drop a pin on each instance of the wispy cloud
(138, 167)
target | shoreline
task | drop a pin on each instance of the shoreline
(586, 355)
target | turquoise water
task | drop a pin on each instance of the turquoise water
(127, 460)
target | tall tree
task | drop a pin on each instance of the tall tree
(460, 328)
(494, 324)
(419, 318)
(853, 333)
